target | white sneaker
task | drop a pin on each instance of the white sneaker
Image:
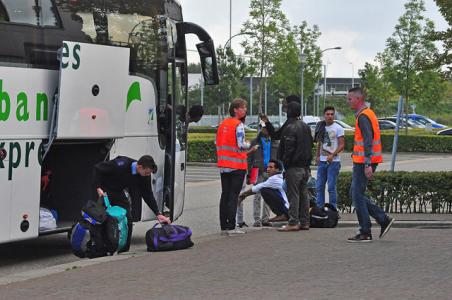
(224, 232)
(236, 231)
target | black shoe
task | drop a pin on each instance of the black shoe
(386, 226)
(361, 238)
(241, 225)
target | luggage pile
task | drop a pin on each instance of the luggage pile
(102, 231)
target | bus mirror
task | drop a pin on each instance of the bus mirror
(206, 52)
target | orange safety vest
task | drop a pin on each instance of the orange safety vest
(229, 154)
(358, 147)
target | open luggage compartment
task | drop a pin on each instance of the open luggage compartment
(71, 165)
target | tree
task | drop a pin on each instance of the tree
(194, 68)
(285, 74)
(231, 69)
(407, 50)
(445, 58)
(380, 92)
(267, 23)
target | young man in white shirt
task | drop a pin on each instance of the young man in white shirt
(330, 143)
(272, 191)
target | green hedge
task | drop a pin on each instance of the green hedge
(411, 143)
(203, 143)
(403, 192)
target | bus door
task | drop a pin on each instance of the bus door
(176, 150)
(92, 91)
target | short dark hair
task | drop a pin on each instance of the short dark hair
(293, 110)
(147, 162)
(196, 112)
(236, 103)
(277, 163)
(329, 108)
(358, 90)
(292, 98)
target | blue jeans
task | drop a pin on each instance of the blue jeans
(327, 172)
(363, 205)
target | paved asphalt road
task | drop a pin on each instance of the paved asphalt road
(266, 264)
(201, 214)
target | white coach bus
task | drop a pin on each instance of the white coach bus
(82, 81)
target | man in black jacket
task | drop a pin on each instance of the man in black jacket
(295, 152)
(114, 176)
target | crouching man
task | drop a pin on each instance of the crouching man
(272, 191)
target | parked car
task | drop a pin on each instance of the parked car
(405, 122)
(425, 120)
(386, 124)
(344, 125)
(447, 131)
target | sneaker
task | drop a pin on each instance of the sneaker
(243, 224)
(386, 226)
(257, 223)
(360, 238)
(224, 232)
(236, 231)
(280, 218)
(266, 224)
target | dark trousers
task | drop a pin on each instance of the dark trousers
(275, 201)
(297, 194)
(364, 206)
(231, 184)
(119, 199)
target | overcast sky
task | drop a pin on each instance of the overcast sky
(360, 27)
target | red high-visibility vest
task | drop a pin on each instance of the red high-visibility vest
(358, 147)
(229, 155)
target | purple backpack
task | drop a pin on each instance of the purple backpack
(168, 237)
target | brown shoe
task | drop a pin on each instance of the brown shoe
(304, 227)
(288, 228)
(280, 218)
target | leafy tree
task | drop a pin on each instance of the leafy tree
(445, 58)
(380, 92)
(194, 68)
(232, 69)
(267, 23)
(286, 69)
(407, 50)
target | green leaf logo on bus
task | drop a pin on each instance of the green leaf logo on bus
(133, 94)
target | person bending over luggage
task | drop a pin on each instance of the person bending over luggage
(114, 176)
(272, 191)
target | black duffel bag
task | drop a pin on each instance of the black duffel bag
(168, 237)
(325, 217)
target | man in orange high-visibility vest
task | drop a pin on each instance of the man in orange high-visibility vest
(232, 161)
(366, 157)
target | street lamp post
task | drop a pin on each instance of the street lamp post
(353, 75)
(324, 73)
(303, 58)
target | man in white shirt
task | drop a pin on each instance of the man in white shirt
(272, 191)
(330, 142)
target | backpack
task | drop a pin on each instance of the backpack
(87, 235)
(325, 217)
(168, 237)
(115, 227)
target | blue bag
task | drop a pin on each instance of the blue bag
(116, 226)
